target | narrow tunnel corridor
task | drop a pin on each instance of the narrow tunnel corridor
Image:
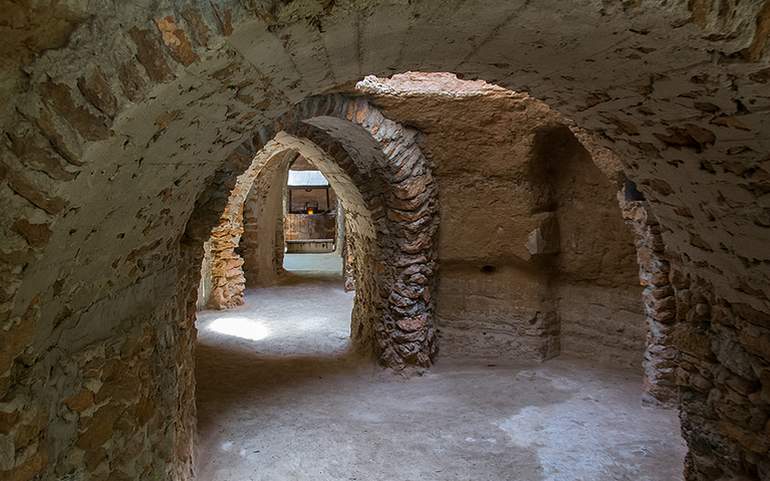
(558, 247)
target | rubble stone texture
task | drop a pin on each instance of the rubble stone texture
(116, 118)
(258, 188)
(387, 188)
(660, 356)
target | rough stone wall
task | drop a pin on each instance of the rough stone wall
(243, 244)
(491, 298)
(227, 273)
(723, 378)
(116, 118)
(227, 279)
(348, 260)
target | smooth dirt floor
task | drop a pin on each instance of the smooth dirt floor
(281, 399)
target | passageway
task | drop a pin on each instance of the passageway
(308, 313)
(287, 400)
(527, 191)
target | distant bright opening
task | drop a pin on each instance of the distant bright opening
(311, 211)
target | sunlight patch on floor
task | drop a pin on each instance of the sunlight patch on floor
(238, 326)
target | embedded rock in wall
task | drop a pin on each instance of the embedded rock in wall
(545, 238)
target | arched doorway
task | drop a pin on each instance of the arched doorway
(101, 176)
(391, 222)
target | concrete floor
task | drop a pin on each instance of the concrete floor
(280, 398)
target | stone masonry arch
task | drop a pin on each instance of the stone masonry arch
(262, 242)
(228, 276)
(117, 118)
(391, 206)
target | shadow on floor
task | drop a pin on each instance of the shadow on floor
(242, 374)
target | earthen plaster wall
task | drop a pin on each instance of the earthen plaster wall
(506, 165)
(596, 281)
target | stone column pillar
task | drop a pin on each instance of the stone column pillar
(227, 279)
(659, 303)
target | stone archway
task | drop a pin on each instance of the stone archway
(228, 270)
(108, 144)
(262, 242)
(391, 205)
